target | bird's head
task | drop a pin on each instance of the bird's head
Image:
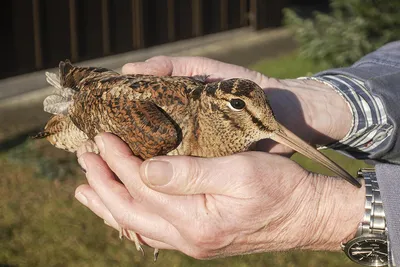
(239, 108)
(242, 106)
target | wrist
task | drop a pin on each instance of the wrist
(334, 213)
(311, 109)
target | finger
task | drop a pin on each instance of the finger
(190, 66)
(121, 161)
(128, 213)
(88, 146)
(155, 244)
(88, 197)
(160, 66)
(216, 70)
(144, 240)
(270, 146)
(182, 175)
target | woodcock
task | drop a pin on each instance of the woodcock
(165, 115)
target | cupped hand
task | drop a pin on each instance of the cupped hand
(217, 207)
(310, 109)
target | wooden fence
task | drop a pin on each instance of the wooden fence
(37, 34)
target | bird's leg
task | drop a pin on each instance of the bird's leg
(132, 236)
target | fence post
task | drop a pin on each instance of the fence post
(137, 26)
(244, 13)
(73, 30)
(265, 14)
(105, 23)
(196, 17)
(171, 20)
(37, 34)
(224, 15)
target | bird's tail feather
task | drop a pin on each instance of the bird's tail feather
(41, 135)
(53, 126)
(61, 98)
(66, 84)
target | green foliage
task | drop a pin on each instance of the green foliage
(352, 29)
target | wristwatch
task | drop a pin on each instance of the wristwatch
(369, 247)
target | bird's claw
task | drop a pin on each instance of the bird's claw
(156, 252)
(133, 236)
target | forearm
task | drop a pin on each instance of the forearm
(379, 72)
(311, 109)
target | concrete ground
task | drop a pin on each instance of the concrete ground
(21, 97)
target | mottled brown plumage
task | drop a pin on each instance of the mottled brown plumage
(156, 115)
(164, 115)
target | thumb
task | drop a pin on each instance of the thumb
(183, 175)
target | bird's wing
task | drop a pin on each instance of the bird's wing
(70, 76)
(141, 124)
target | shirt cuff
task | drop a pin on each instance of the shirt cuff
(370, 127)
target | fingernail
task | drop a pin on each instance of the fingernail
(81, 198)
(82, 163)
(158, 172)
(99, 143)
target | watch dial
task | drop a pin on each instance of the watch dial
(368, 251)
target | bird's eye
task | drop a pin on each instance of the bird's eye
(237, 104)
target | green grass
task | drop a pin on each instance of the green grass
(288, 66)
(41, 224)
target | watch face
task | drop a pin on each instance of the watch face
(368, 250)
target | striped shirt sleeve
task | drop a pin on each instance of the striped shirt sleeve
(370, 128)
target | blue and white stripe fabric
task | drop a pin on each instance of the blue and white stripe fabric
(370, 128)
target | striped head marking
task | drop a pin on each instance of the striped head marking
(242, 102)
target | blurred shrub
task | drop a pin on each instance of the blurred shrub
(352, 29)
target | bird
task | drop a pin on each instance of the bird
(165, 115)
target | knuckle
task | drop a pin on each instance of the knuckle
(188, 167)
(206, 238)
(137, 192)
(193, 168)
(192, 173)
(206, 242)
(124, 219)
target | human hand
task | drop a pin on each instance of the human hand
(216, 207)
(310, 109)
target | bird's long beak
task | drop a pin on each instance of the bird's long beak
(286, 137)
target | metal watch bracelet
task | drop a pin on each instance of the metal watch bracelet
(370, 246)
(374, 221)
